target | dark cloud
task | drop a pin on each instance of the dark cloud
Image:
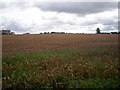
(81, 8)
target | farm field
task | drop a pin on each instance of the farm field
(16, 44)
(60, 61)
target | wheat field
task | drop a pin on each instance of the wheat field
(12, 44)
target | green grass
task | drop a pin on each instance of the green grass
(84, 68)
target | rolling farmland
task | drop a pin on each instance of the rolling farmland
(60, 61)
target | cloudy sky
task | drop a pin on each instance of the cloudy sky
(71, 17)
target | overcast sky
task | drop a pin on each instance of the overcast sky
(72, 17)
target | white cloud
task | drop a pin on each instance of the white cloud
(34, 20)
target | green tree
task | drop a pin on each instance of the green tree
(98, 30)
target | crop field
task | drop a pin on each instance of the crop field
(13, 44)
(60, 61)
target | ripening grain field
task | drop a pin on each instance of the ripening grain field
(13, 44)
(60, 61)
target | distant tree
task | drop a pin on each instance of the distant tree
(98, 31)
(46, 32)
(26, 33)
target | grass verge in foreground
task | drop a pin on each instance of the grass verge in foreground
(84, 68)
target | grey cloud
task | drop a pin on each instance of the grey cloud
(20, 4)
(109, 24)
(81, 8)
(119, 25)
(101, 21)
(16, 27)
(108, 28)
